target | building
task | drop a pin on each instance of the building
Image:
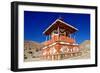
(60, 44)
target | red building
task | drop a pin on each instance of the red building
(60, 44)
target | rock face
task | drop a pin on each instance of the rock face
(85, 46)
(32, 50)
(85, 50)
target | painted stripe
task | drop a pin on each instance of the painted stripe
(60, 43)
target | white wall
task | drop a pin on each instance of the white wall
(5, 35)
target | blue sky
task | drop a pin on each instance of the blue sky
(36, 22)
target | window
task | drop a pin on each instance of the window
(25, 57)
(37, 50)
(55, 32)
(30, 52)
(62, 30)
(29, 48)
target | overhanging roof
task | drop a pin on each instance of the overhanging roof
(59, 23)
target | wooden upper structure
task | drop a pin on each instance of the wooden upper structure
(60, 31)
(61, 24)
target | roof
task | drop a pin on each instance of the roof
(61, 24)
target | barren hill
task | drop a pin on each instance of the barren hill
(32, 50)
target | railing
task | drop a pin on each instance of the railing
(56, 38)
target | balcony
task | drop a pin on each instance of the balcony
(61, 38)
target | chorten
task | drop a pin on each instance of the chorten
(60, 44)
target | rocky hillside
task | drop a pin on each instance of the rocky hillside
(33, 44)
(32, 50)
(85, 46)
(85, 50)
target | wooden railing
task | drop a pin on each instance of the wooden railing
(56, 38)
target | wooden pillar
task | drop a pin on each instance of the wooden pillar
(48, 57)
(52, 57)
(65, 55)
(59, 56)
(58, 33)
(56, 57)
(49, 36)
